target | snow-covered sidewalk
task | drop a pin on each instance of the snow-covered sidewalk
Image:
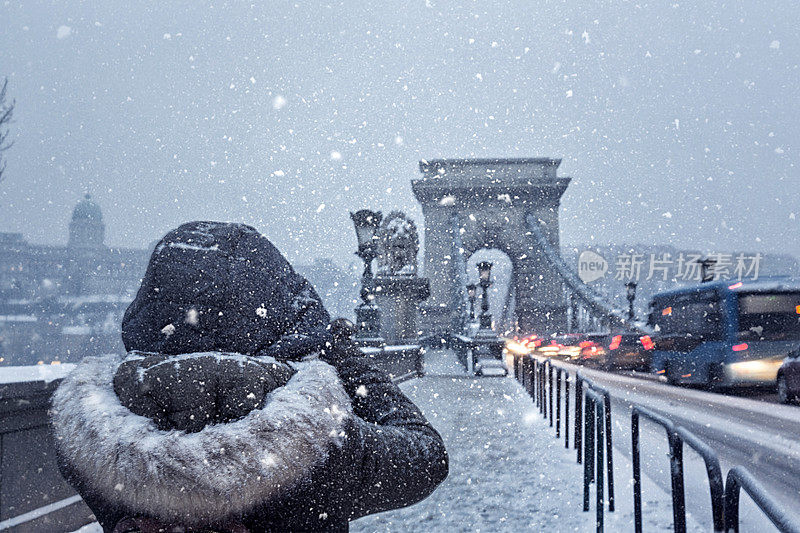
(507, 470)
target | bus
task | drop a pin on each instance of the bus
(725, 334)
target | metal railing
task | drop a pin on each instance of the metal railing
(676, 469)
(740, 478)
(548, 385)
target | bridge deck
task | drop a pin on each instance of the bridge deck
(507, 471)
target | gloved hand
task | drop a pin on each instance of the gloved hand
(191, 391)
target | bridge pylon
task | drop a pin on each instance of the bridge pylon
(470, 204)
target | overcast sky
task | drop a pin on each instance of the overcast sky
(678, 121)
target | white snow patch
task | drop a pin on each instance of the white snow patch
(192, 247)
(46, 373)
(168, 330)
(775, 45)
(192, 316)
(63, 32)
(336, 156)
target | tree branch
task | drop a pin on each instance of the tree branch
(6, 113)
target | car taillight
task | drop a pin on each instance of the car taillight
(584, 344)
(616, 340)
(739, 347)
(647, 342)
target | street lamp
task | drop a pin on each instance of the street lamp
(366, 223)
(472, 291)
(485, 280)
(631, 288)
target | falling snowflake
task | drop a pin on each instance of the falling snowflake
(279, 102)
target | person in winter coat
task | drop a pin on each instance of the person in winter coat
(239, 407)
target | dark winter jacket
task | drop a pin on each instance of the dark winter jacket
(188, 432)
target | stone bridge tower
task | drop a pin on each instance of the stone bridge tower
(469, 204)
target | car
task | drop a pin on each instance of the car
(592, 352)
(576, 347)
(592, 349)
(788, 381)
(564, 346)
(629, 351)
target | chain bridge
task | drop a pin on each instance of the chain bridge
(510, 205)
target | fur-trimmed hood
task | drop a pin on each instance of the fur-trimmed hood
(196, 478)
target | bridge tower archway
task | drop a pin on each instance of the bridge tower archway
(469, 204)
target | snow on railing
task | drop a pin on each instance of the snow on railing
(23, 374)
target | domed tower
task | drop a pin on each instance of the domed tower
(86, 229)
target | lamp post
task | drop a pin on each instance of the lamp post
(366, 223)
(485, 280)
(472, 293)
(631, 288)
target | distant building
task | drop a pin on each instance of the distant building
(62, 303)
